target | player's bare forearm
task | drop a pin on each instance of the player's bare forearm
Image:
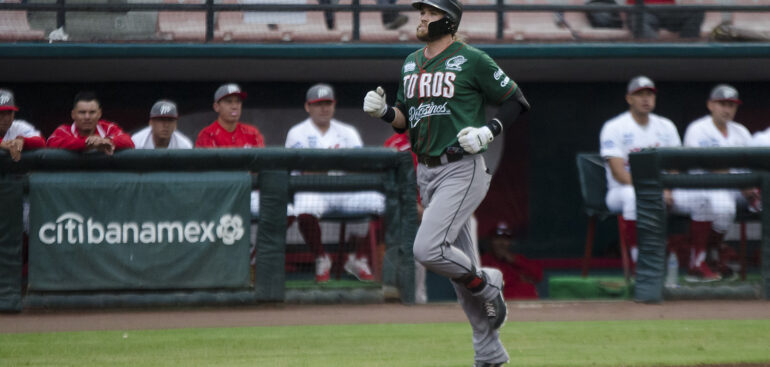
(618, 169)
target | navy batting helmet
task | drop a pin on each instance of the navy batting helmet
(452, 8)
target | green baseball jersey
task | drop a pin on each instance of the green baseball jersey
(446, 93)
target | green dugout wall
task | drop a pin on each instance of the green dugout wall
(170, 227)
(650, 180)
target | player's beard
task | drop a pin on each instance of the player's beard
(424, 35)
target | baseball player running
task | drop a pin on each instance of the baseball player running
(441, 101)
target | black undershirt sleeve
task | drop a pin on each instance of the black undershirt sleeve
(508, 113)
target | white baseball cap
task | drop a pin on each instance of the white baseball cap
(640, 82)
(724, 92)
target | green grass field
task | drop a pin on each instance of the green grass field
(603, 343)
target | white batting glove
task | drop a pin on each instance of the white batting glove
(374, 103)
(473, 139)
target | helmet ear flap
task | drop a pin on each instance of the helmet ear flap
(441, 27)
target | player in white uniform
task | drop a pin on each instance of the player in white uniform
(16, 135)
(761, 138)
(632, 131)
(162, 130)
(321, 131)
(712, 211)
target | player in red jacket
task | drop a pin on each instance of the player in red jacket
(520, 275)
(16, 135)
(88, 131)
(227, 131)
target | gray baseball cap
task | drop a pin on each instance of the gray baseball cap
(7, 102)
(164, 108)
(640, 82)
(320, 92)
(724, 92)
(228, 89)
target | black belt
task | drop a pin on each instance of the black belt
(445, 158)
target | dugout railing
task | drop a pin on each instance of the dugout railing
(268, 170)
(500, 8)
(667, 168)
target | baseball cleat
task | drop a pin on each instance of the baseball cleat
(702, 274)
(323, 266)
(496, 309)
(359, 268)
(485, 364)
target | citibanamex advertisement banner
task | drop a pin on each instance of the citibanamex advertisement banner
(128, 231)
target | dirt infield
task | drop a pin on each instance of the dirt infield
(272, 315)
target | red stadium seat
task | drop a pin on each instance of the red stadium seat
(578, 21)
(182, 25)
(533, 26)
(755, 21)
(371, 28)
(308, 27)
(711, 18)
(14, 26)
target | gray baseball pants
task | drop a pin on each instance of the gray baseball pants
(450, 194)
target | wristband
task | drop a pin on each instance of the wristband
(389, 116)
(495, 126)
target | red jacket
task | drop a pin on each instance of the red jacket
(244, 136)
(519, 277)
(401, 143)
(68, 137)
(32, 142)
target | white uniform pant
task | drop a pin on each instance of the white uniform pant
(360, 202)
(716, 206)
(622, 200)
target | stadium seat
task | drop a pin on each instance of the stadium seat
(534, 26)
(475, 26)
(296, 27)
(578, 21)
(593, 188)
(711, 18)
(371, 28)
(755, 21)
(182, 26)
(14, 26)
(479, 26)
(230, 26)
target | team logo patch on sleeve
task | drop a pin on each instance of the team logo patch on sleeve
(455, 63)
(410, 66)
